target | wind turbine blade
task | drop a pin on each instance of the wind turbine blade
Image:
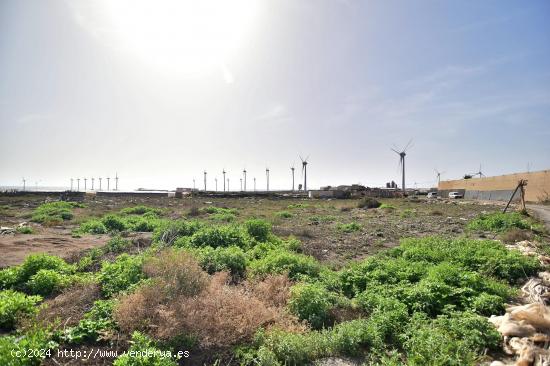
(397, 152)
(408, 145)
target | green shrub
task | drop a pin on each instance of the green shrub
(93, 227)
(283, 214)
(144, 223)
(9, 278)
(218, 259)
(297, 205)
(47, 281)
(258, 229)
(386, 206)
(24, 230)
(144, 352)
(311, 302)
(407, 213)
(140, 210)
(36, 262)
(94, 323)
(113, 223)
(281, 261)
(349, 228)
(119, 275)
(219, 210)
(13, 304)
(27, 349)
(54, 212)
(221, 236)
(223, 217)
(118, 244)
(499, 222)
(368, 202)
(90, 259)
(455, 339)
(169, 231)
(316, 219)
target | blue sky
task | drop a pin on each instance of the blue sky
(340, 81)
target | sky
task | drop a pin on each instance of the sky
(159, 91)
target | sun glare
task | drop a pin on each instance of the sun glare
(185, 37)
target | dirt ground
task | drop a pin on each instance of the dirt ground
(317, 223)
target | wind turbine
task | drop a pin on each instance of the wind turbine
(116, 181)
(244, 172)
(304, 171)
(24, 184)
(438, 173)
(100, 183)
(93, 183)
(85, 179)
(402, 155)
(205, 180)
(292, 169)
(267, 176)
(223, 172)
(479, 172)
(78, 184)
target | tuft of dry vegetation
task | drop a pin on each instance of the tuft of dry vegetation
(514, 235)
(181, 298)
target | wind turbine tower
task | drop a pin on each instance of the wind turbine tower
(100, 183)
(205, 180)
(116, 181)
(24, 184)
(244, 172)
(402, 155)
(267, 176)
(78, 184)
(223, 172)
(216, 181)
(108, 182)
(254, 184)
(304, 171)
(292, 169)
(93, 183)
(241, 184)
(85, 179)
(72, 183)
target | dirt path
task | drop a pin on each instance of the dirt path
(542, 213)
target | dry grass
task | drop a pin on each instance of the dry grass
(514, 235)
(69, 307)
(274, 290)
(183, 299)
(176, 272)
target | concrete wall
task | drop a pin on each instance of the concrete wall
(500, 187)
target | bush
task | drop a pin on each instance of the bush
(368, 202)
(93, 325)
(113, 223)
(219, 259)
(26, 349)
(13, 304)
(499, 222)
(9, 278)
(515, 235)
(93, 227)
(176, 273)
(117, 244)
(223, 217)
(54, 212)
(280, 261)
(258, 229)
(119, 275)
(36, 262)
(311, 302)
(221, 236)
(24, 230)
(283, 214)
(168, 232)
(144, 352)
(349, 228)
(47, 281)
(140, 210)
(219, 210)
(386, 206)
(458, 338)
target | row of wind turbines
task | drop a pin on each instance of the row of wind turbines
(243, 180)
(92, 180)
